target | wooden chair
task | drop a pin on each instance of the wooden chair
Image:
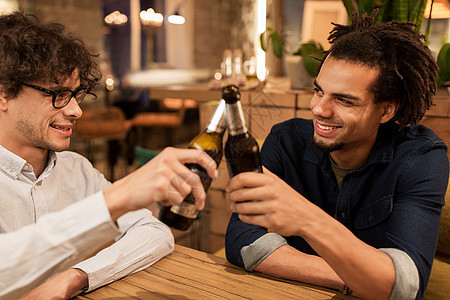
(106, 123)
(167, 120)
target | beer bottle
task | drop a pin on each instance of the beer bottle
(181, 216)
(241, 149)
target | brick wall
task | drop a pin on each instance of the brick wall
(84, 17)
(222, 24)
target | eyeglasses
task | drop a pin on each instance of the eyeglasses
(61, 98)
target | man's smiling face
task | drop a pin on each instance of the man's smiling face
(344, 112)
(32, 121)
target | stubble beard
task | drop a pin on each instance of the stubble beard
(32, 135)
(327, 148)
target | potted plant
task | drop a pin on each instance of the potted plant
(443, 61)
(404, 11)
(390, 10)
(301, 64)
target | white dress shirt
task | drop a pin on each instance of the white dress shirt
(78, 230)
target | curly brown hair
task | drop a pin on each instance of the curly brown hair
(407, 68)
(32, 51)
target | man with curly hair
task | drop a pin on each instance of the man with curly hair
(55, 208)
(352, 198)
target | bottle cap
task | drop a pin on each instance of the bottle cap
(231, 94)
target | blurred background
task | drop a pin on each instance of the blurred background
(164, 61)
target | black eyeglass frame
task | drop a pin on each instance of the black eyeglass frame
(55, 94)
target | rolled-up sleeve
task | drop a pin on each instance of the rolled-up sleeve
(256, 252)
(407, 280)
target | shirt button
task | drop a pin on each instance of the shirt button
(343, 214)
(25, 167)
(14, 174)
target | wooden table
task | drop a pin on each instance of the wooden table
(192, 274)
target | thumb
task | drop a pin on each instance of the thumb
(266, 171)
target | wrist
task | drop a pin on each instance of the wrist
(114, 201)
(75, 281)
(80, 279)
(313, 223)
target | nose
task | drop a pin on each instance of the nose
(321, 106)
(73, 109)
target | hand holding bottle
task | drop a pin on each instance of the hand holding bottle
(163, 179)
(267, 201)
(182, 215)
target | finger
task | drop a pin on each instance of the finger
(268, 172)
(251, 207)
(248, 194)
(245, 179)
(197, 190)
(197, 157)
(186, 182)
(177, 190)
(258, 220)
(208, 164)
(200, 197)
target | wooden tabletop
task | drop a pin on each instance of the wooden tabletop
(192, 274)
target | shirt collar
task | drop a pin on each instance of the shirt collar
(13, 164)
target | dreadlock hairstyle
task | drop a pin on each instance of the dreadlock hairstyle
(34, 51)
(407, 70)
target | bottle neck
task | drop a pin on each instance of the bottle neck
(217, 123)
(235, 119)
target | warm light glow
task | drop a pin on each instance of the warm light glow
(109, 83)
(260, 54)
(150, 18)
(176, 19)
(217, 76)
(441, 9)
(116, 18)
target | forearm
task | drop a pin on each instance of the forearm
(287, 262)
(144, 241)
(62, 286)
(58, 240)
(368, 272)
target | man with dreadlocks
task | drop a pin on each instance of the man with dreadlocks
(352, 198)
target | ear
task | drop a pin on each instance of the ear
(3, 101)
(389, 110)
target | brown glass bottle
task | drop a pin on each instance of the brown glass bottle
(241, 149)
(181, 216)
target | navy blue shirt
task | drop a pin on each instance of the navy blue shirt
(393, 201)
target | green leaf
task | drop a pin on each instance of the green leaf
(365, 6)
(349, 8)
(443, 61)
(310, 54)
(276, 44)
(416, 12)
(270, 35)
(385, 11)
(400, 10)
(262, 41)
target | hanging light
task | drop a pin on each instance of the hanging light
(116, 18)
(151, 19)
(176, 18)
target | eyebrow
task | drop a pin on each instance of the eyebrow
(338, 95)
